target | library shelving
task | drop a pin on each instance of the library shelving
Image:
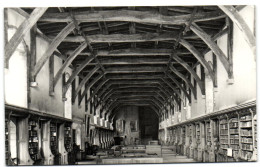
(190, 140)
(68, 137)
(198, 135)
(7, 149)
(246, 134)
(183, 139)
(33, 139)
(234, 137)
(223, 139)
(53, 138)
(196, 140)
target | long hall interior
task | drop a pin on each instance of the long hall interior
(130, 85)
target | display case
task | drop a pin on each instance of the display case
(33, 139)
(67, 137)
(53, 138)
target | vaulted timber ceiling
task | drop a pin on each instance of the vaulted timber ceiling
(134, 55)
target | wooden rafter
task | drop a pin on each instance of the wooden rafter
(174, 70)
(130, 16)
(85, 79)
(52, 47)
(120, 38)
(68, 62)
(212, 45)
(191, 71)
(76, 72)
(200, 58)
(236, 17)
(88, 87)
(179, 85)
(16, 39)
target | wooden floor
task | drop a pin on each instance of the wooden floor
(168, 155)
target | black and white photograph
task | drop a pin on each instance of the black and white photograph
(116, 85)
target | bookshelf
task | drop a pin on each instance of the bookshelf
(223, 139)
(53, 138)
(246, 136)
(190, 134)
(234, 136)
(198, 133)
(67, 138)
(208, 133)
(33, 139)
(7, 149)
(174, 136)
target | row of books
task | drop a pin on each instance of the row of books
(246, 132)
(248, 147)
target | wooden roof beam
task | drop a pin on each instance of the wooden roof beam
(77, 71)
(191, 71)
(68, 62)
(16, 39)
(199, 57)
(235, 16)
(179, 85)
(52, 47)
(175, 71)
(131, 16)
(214, 47)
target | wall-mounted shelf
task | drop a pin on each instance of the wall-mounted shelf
(53, 138)
(67, 137)
(33, 144)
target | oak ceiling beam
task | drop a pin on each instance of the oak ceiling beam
(179, 85)
(52, 47)
(115, 77)
(85, 80)
(185, 80)
(88, 87)
(68, 62)
(16, 39)
(212, 45)
(135, 52)
(166, 93)
(171, 86)
(150, 101)
(135, 97)
(199, 57)
(111, 112)
(109, 87)
(191, 71)
(236, 17)
(151, 98)
(122, 83)
(131, 16)
(122, 104)
(77, 71)
(116, 92)
(122, 38)
(118, 38)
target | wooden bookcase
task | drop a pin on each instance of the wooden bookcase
(7, 148)
(68, 137)
(198, 134)
(33, 144)
(246, 134)
(196, 140)
(53, 138)
(223, 139)
(234, 136)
